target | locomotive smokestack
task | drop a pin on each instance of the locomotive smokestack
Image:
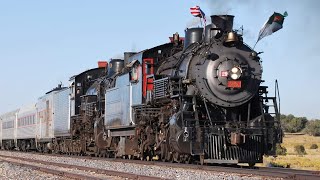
(127, 55)
(220, 24)
(115, 66)
(223, 22)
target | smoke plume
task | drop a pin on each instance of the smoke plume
(227, 6)
(219, 6)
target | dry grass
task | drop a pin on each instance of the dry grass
(310, 161)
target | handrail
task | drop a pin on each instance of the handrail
(277, 93)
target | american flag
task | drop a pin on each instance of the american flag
(197, 12)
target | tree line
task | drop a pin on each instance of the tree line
(292, 124)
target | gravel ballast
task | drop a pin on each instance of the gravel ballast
(148, 170)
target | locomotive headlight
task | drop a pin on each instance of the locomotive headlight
(235, 73)
(234, 76)
(234, 70)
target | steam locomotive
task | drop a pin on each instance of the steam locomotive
(195, 99)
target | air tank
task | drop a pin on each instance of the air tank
(192, 35)
(115, 66)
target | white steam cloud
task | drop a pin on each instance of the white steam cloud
(226, 6)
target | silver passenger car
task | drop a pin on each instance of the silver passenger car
(26, 122)
(8, 131)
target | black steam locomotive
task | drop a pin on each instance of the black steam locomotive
(193, 99)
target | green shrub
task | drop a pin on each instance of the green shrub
(314, 146)
(313, 128)
(293, 124)
(300, 150)
(282, 151)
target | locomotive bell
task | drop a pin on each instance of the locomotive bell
(231, 39)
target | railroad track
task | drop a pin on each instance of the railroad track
(284, 173)
(79, 172)
(265, 172)
(274, 172)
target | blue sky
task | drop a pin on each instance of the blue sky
(45, 42)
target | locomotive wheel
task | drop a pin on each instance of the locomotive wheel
(169, 156)
(56, 149)
(107, 154)
(164, 152)
(96, 152)
(103, 153)
(187, 159)
(23, 146)
(176, 157)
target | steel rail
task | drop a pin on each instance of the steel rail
(69, 166)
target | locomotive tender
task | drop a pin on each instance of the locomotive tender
(193, 99)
